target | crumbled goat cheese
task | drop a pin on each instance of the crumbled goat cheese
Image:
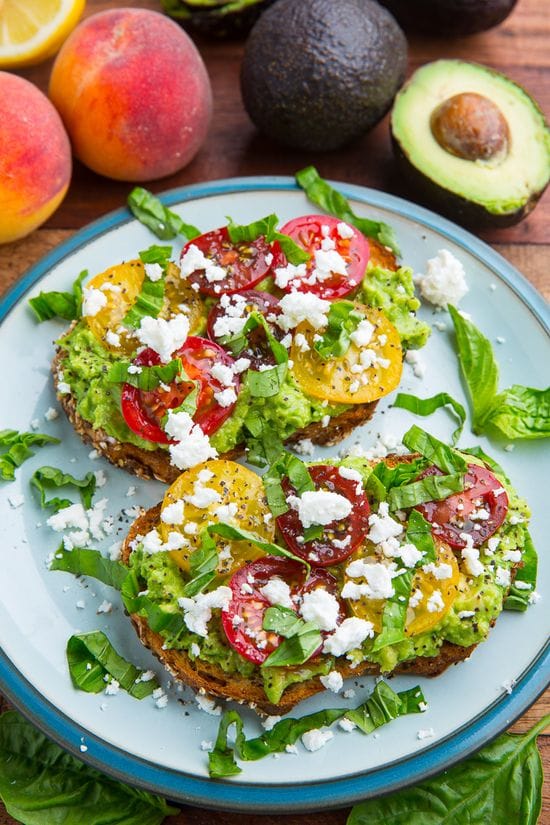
(409, 554)
(425, 733)
(470, 554)
(320, 507)
(207, 704)
(438, 571)
(302, 306)
(223, 374)
(444, 282)
(193, 445)
(304, 447)
(270, 721)
(382, 526)
(152, 542)
(113, 687)
(347, 636)
(345, 231)
(378, 578)
(104, 607)
(93, 301)
(195, 260)
(154, 272)
(277, 591)
(234, 317)
(197, 612)
(291, 272)
(16, 500)
(164, 337)
(333, 681)
(502, 577)
(315, 739)
(173, 513)
(51, 414)
(346, 725)
(435, 602)
(301, 342)
(363, 334)
(112, 338)
(202, 497)
(226, 398)
(416, 362)
(100, 478)
(320, 607)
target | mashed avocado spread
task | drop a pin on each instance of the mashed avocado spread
(474, 610)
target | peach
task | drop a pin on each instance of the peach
(35, 158)
(133, 93)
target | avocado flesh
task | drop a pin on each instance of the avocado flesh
(496, 191)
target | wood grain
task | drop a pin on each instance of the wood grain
(519, 48)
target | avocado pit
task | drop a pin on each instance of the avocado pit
(471, 127)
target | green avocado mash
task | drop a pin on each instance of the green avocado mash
(393, 293)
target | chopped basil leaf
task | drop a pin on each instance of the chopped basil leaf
(148, 303)
(394, 613)
(322, 194)
(266, 383)
(438, 453)
(518, 597)
(18, 449)
(267, 227)
(427, 406)
(229, 531)
(148, 378)
(342, 320)
(158, 619)
(263, 443)
(151, 212)
(521, 412)
(430, 488)
(384, 477)
(82, 561)
(47, 477)
(91, 657)
(297, 649)
(419, 533)
(282, 620)
(67, 305)
(298, 475)
(202, 565)
(156, 255)
(381, 707)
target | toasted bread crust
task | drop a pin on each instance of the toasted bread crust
(208, 678)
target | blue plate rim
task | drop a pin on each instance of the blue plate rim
(266, 798)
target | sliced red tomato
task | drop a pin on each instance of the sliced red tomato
(319, 233)
(246, 263)
(478, 511)
(258, 350)
(243, 620)
(143, 410)
(340, 538)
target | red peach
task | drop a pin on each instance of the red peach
(134, 94)
(35, 158)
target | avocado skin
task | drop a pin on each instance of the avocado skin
(216, 22)
(449, 17)
(317, 74)
(459, 209)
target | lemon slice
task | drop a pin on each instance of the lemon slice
(33, 30)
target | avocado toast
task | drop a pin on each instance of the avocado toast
(237, 347)
(271, 593)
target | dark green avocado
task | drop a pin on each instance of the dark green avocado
(471, 142)
(450, 18)
(216, 18)
(317, 74)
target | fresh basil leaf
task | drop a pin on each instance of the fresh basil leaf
(83, 561)
(322, 194)
(381, 707)
(478, 366)
(148, 303)
(419, 533)
(298, 474)
(17, 448)
(394, 613)
(518, 597)
(266, 383)
(342, 320)
(263, 443)
(149, 378)
(229, 531)
(202, 565)
(315, 531)
(47, 477)
(156, 255)
(91, 658)
(282, 620)
(151, 212)
(384, 705)
(41, 784)
(521, 412)
(267, 227)
(501, 783)
(384, 477)
(297, 649)
(67, 305)
(437, 452)
(158, 619)
(427, 406)
(430, 488)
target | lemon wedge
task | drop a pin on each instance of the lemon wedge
(33, 30)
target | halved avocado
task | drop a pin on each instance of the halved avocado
(216, 18)
(472, 142)
(449, 18)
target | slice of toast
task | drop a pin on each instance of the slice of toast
(209, 678)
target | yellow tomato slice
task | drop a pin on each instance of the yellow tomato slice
(121, 285)
(234, 485)
(419, 619)
(341, 380)
(179, 297)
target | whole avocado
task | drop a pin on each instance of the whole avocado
(317, 74)
(449, 17)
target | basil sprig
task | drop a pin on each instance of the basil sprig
(67, 305)
(342, 320)
(42, 784)
(17, 447)
(267, 227)
(151, 212)
(500, 783)
(427, 406)
(381, 707)
(45, 478)
(322, 194)
(91, 658)
(515, 413)
(149, 378)
(518, 597)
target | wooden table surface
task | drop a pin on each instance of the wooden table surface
(520, 48)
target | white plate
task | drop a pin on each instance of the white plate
(160, 749)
